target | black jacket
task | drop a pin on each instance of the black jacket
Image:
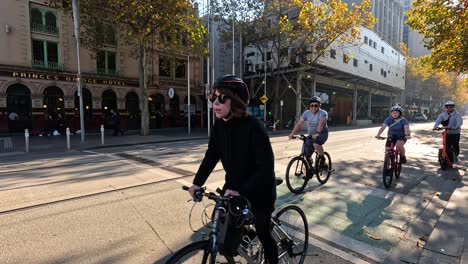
(244, 149)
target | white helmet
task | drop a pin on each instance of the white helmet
(449, 103)
(397, 108)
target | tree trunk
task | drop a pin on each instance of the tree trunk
(143, 92)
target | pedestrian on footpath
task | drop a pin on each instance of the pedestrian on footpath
(452, 121)
(115, 119)
(240, 141)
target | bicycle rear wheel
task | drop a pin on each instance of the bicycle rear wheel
(198, 253)
(292, 234)
(387, 172)
(297, 174)
(323, 167)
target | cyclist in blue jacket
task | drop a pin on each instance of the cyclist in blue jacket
(398, 130)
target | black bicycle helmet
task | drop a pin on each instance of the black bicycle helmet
(314, 99)
(235, 85)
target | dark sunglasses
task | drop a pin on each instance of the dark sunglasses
(221, 98)
(314, 105)
(449, 106)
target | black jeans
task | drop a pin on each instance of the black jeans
(453, 140)
(263, 228)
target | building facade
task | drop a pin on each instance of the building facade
(390, 16)
(357, 82)
(38, 71)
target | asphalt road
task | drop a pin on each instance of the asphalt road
(125, 205)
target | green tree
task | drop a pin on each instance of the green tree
(170, 26)
(298, 29)
(423, 82)
(444, 26)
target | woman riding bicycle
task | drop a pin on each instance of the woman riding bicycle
(316, 127)
(398, 130)
(243, 146)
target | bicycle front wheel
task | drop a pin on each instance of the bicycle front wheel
(198, 253)
(292, 234)
(398, 168)
(323, 167)
(387, 172)
(297, 174)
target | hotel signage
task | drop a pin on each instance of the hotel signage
(67, 78)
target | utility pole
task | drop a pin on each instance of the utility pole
(207, 86)
(76, 20)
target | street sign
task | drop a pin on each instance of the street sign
(264, 99)
(281, 103)
(262, 107)
(171, 93)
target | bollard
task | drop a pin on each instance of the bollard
(26, 138)
(68, 138)
(102, 134)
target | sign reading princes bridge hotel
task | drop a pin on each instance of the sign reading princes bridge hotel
(67, 78)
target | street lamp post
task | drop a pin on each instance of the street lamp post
(76, 20)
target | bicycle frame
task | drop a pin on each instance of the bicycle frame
(444, 148)
(393, 151)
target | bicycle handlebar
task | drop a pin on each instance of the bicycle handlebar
(200, 193)
(382, 138)
(443, 128)
(301, 137)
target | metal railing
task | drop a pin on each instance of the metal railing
(107, 72)
(49, 66)
(44, 28)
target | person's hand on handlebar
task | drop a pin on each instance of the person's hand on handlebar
(230, 192)
(193, 189)
(291, 136)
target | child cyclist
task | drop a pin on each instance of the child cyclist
(398, 130)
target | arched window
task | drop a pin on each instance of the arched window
(87, 104)
(36, 17)
(174, 109)
(157, 112)
(109, 100)
(19, 107)
(19, 101)
(53, 102)
(132, 105)
(50, 20)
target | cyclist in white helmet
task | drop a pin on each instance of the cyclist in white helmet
(398, 130)
(452, 120)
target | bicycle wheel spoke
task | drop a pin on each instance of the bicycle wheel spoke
(296, 175)
(292, 234)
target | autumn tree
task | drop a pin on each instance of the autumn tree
(425, 82)
(303, 29)
(444, 26)
(148, 25)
